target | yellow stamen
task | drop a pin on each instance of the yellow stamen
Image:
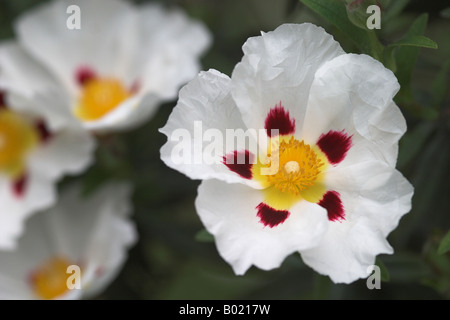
(17, 138)
(299, 175)
(50, 279)
(100, 96)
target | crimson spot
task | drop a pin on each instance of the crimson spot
(84, 74)
(332, 202)
(44, 133)
(240, 162)
(270, 216)
(335, 145)
(19, 185)
(278, 119)
(2, 99)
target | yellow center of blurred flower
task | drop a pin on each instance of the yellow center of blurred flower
(17, 138)
(297, 173)
(100, 96)
(50, 279)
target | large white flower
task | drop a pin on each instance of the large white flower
(32, 159)
(330, 130)
(90, 233)
(109, 74)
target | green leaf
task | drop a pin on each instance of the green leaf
(439, 86)
(385, 277)
(413, 142)
(394, 9)
(204, 236)
(416, 41)
(445, 244)
(335, 13)
(406, 58)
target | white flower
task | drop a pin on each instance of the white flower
(335, 194)
(32, 160)
(108, 75)
(90, 233)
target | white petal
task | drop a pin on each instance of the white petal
(229, 212)
(205, 101)
(347, 250)
(375, 197)
(39, 194)
(279, 66)
(375, 190)
(169, 48)
(66, 152)
(32, 89)
(354, 93)
(103, 42)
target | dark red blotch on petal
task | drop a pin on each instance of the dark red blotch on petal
(19, 185)
(335, 145)
(240, 162)
(84, 74)
(332, 202)
(271, 217)
(44, 133)
(2, 99)
(278, 118)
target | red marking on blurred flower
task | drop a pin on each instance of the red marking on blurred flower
(84, 74)
(44, 133)
(19, 185)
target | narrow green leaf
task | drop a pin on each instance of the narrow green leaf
(385, 277)
(445, 244)
(406, 58)
(204, 236)
(413, 142)
(416, 41)
(335, 13)
(439, 86)
(394, 9)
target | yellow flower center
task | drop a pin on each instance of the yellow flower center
(296, 173)
(50, 279)
(298, 166)
(100, 96)
(17, 138)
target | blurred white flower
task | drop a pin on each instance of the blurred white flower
(32, 160)
(335, 195)
(92, 233)
(108, 75)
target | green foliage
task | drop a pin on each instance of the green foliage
(445, 244)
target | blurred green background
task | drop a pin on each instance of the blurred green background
(175, 259)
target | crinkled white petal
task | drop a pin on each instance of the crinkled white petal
(170, 44)
(65, 152)
(372, 189)
(347, 250)
(229, 212)
(93, 232)
(32, 89)
(279, 66)
(103, 42)
(354, 93)
(197, 129)
(375, 197)
(39, 194)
